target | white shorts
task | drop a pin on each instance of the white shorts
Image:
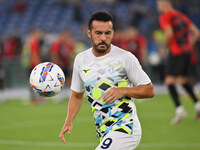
(115, 140)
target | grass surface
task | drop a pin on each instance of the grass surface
(26, 127)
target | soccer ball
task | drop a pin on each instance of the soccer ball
(47, 79)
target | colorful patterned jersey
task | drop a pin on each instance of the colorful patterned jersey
(96, 75)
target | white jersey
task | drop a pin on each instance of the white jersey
(96, 75)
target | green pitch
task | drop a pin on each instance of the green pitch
(25, 127)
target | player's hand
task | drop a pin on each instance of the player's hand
(113, 94)
(67, 128)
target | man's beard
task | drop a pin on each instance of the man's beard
(101, 50)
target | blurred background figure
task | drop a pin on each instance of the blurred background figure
(118, 36)
(62, 50)
(180, 34)
(2, 71)
(34, 45)
(12, 48)
(136, 43)
(136, 24)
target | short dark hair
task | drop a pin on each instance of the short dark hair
(99, 16)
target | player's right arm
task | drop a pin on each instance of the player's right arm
(74, 106)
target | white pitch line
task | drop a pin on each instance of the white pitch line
(92, 145)
(45, 144)
(24, 124)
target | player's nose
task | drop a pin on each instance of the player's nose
(103, 37)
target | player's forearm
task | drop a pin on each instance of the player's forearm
(74, 106)
(143, 91)
(73, 109)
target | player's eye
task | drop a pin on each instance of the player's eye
(108, 33)
(98, 33)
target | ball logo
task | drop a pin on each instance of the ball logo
(60, 78)
(45, 71)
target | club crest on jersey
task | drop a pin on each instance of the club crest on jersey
(86, 71)
(111, 70)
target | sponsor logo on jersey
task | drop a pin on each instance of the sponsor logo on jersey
(86, 71)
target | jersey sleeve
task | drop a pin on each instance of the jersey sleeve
(135, 73)
(77, 84)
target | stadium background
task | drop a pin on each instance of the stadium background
(18, 17)
(23, 126)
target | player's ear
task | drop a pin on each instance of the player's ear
(89, 33)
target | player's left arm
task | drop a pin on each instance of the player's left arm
(142, 91)
(195, 34)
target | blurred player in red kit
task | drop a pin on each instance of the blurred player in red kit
(180, 35)
(136, 44)
(34, 45)
(131, 40)
(62, 52)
